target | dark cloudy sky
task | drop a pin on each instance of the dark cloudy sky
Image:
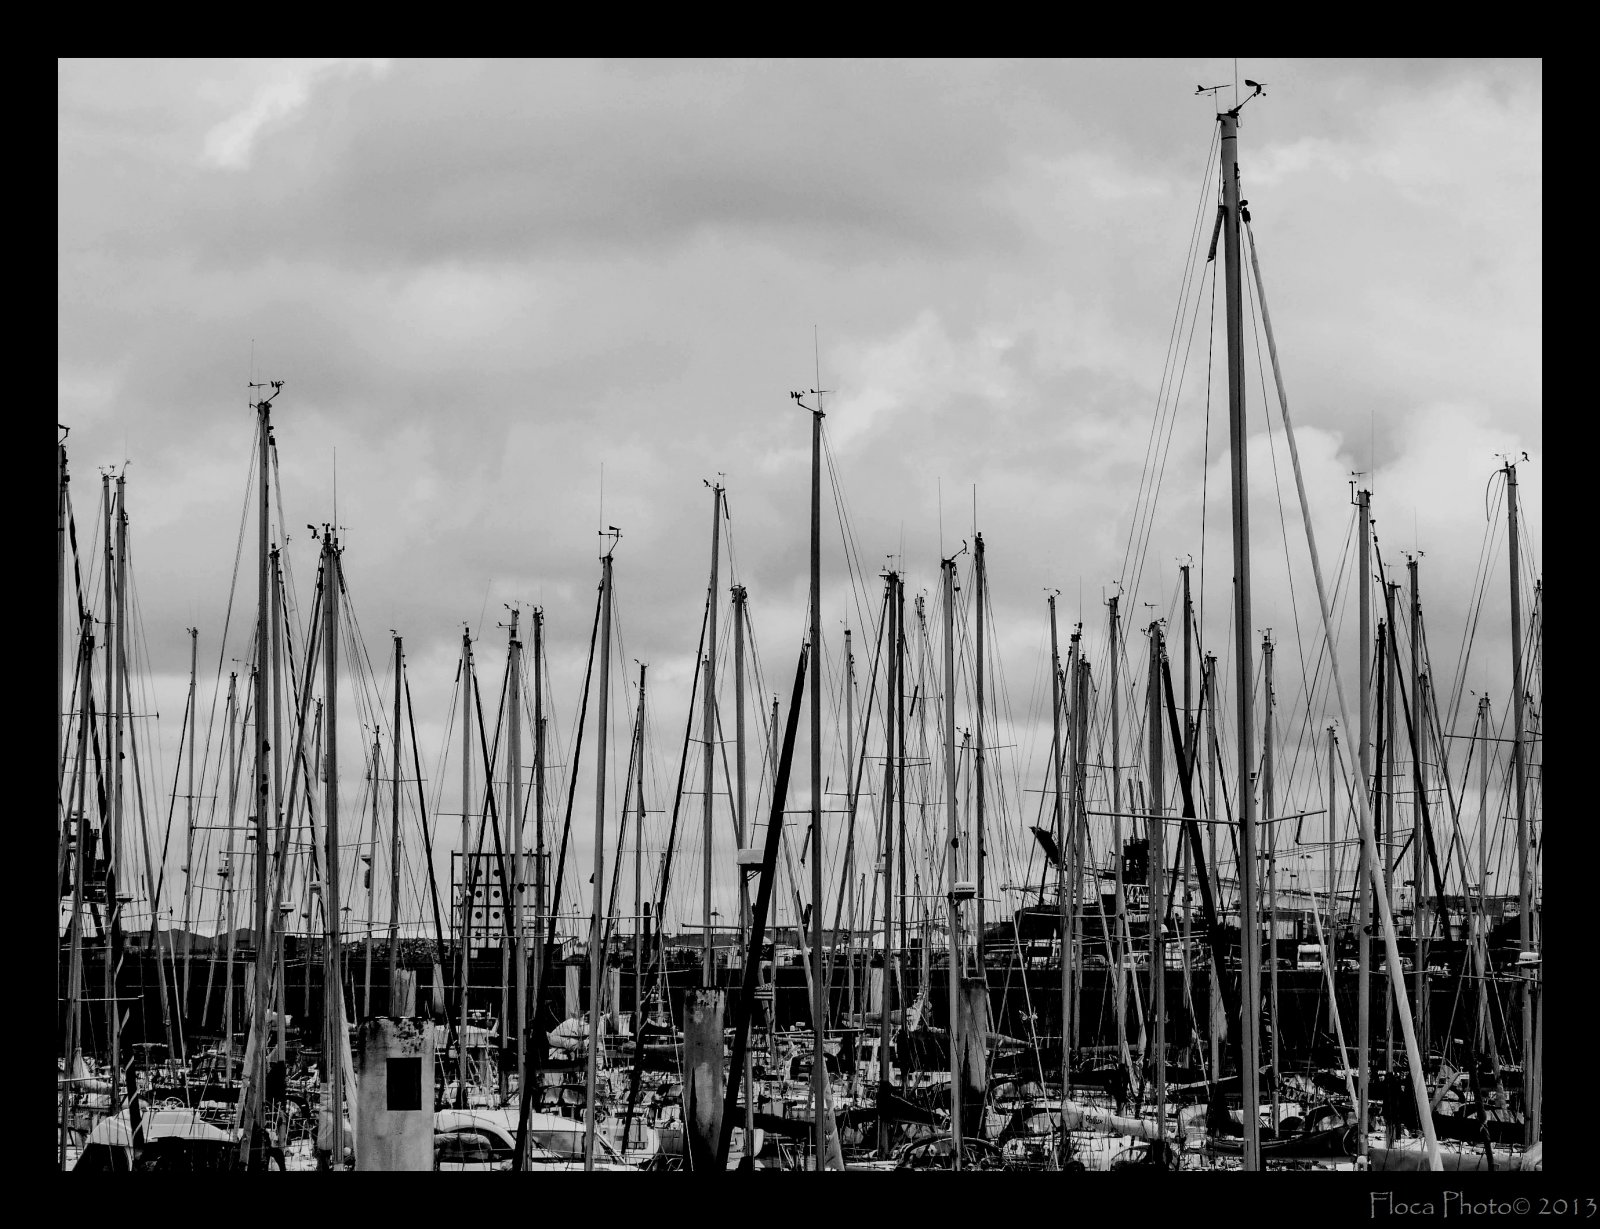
(482, 282)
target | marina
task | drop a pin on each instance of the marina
(842, 833)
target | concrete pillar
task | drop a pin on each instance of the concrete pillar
(574, 992)
(394, 1095)
(702, 1061)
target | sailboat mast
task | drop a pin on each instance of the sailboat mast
(188, 840)
(819, 1075)
(264, 737)
(952, 852)
(374, 776)
(115, 862)
(1061, 882)
(1243, 625)
(709, 717)
(394, 834)
(276, 978)
(1071, 686)
(978, 568)
(1269, 805)
(74, 1021)
(1208, 679)
(748, 1074)
(597, 922)
(1119, 921)
(538, 809)
(1519, 784)
(1420, 835)
(888, 865)
(232, 873)
(1156, 913)
(1188, 752)
(900, 799)
(464, 873)
(518, 953)
(638, 882)
(1364, 930)
(332, 964)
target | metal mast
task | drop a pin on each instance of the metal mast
(952, 850)
(978, 567)
(519, 954)
(740, 820)
(891, 708)
(818, 990)
(465, 873)
(1519, 781)
(1242, 625)
(1364, 930)
(332, 965)
(394, 834)
(1158, 892)
(1061, 882)
(597, 923)
(1420, 834)
(708, 965)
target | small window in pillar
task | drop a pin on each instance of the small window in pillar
(405, 1084)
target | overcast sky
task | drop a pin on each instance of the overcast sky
(484, 282)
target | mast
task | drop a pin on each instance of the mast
(263, 776)
(394, 836)
(118, 640)
(1420, 834)
(188, 852)
(372, 883)
(1363, 931)
(708, 964)
(819, 1075)
(846, 899)
(232, 874)
(597, 922)
(538, 812)
(1269, 804)
(1519, 773)
(276, 918)
(61, 657)
(748, 1074)
(637, 781)
(888, 866)
(1188, 752)
(519, 960)
(1390, 668)
(1485, 1026)
(1071, 686)
(1121, 920)
(900, 798)
(1061, 883)
(74, 1020)
(978, 567)
(466, 876)
(1208, 681)
(772, 1019)
(1332, 939)
(332, 964)
(1242, 624)
(1081, 776)
(1158, 900)
(952, 849)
